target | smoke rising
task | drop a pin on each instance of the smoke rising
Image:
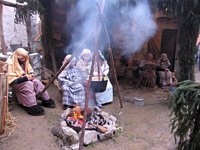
(133, 25)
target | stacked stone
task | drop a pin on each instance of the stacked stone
(35, 61)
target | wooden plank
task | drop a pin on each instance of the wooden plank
(2, 102)
(3, 95)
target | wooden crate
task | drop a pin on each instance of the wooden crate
(3, 95)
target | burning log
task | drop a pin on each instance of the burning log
(101, 128)
(105, 127)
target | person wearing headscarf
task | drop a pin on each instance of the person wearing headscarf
(84, 63)
(148, 59)
(107, 95)
(147, 68)
(22, 79)
(165, 75)
(70, 80)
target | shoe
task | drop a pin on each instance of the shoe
(99, 105)
(35, 110)
(49, 103)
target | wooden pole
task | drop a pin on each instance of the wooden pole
(13, 4)
(28, 28)
(3, 115)
(111, 55)
(86, 102)
(5, 103)
(63, 66)
(3, 45)
(53, 60)
(95, 57)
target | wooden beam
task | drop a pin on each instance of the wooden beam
(110, 54)
(13, 4)
(86, 102)
(3, 44)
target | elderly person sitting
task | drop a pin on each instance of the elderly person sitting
(165, 75)
(147, 71)
(70, 80)
(148, 59)
(22, 79)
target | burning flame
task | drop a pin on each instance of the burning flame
(77, 114)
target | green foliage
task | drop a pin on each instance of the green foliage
(185, 112)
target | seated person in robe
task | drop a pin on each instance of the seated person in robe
(84, 63)
(107, 95)
(26, 87)
(70, 80)
(165, 75)
(147, 68)
(148, 60)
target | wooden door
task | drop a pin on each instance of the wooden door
(168, 44)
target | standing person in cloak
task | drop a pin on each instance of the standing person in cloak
(22, 79)
(70, 80)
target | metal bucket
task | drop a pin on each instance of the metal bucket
(139, 101)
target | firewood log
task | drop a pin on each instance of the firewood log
(101, 128)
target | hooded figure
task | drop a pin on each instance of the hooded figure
(21, 78)
(70, 80)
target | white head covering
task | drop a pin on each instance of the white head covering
(85, 51)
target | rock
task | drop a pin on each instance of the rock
(112, 118)
(105, 115)
(66, 148)
(97, 110)
(65, 114)
(106, 135)
(90, 137)
(75, 146)
(70, 134)
(60, 143)
(63, 123)
(55, 131)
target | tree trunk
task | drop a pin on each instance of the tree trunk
(3, 45)
(28, 29)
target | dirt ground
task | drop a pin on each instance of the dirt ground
(144, 127)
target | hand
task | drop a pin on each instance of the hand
(30, 77)
(166, 69)
(33, 75)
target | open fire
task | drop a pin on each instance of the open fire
(95, 120)
(99, 125)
